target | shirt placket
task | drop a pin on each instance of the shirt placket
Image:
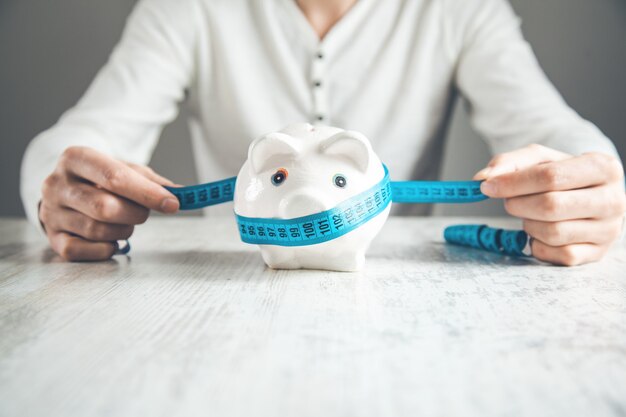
(319, 88)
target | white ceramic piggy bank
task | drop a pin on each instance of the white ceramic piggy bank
(303, 170)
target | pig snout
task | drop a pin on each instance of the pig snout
(303, 203)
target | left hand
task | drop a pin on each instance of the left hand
(572, 206)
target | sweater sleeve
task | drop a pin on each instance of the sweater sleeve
(511, 101)
(130, 100)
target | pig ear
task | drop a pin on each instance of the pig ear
(353, 146)
(267, 149)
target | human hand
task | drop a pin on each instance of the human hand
(91, 201)
(572, 206)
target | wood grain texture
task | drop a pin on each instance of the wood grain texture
(193, 324)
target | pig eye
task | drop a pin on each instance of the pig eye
(279, 177)
(340, 181)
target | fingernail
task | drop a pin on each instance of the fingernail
(488, 187)
(169, 205)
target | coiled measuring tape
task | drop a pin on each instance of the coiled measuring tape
(356, 211)
(505, 242)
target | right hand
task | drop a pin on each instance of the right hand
(91, 201)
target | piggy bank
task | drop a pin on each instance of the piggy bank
(303, 170)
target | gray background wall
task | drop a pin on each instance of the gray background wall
(49, 52)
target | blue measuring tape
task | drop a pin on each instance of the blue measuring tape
(356, 211)
(505, 242)
(204, 195)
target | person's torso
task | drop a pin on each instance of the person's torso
(381, 70)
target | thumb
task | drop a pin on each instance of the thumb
(519, 159)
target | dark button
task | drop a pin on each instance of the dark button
(320, 55)
(320, 117)
(317, 83)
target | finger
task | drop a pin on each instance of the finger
(519, 159)
(150, 174)
(76, 223)
(597, 202)
(73, 248)
(569, 255)
(100, 204)
(118, 178)
(577, 172)
(564, 233)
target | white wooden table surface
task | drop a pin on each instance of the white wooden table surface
(193, 324)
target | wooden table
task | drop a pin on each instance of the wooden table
(194, 324)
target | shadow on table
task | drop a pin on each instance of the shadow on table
(433, 252)
(438, 252)
(454, 253)
(214, 265)
(12, 249)
(199, 258)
